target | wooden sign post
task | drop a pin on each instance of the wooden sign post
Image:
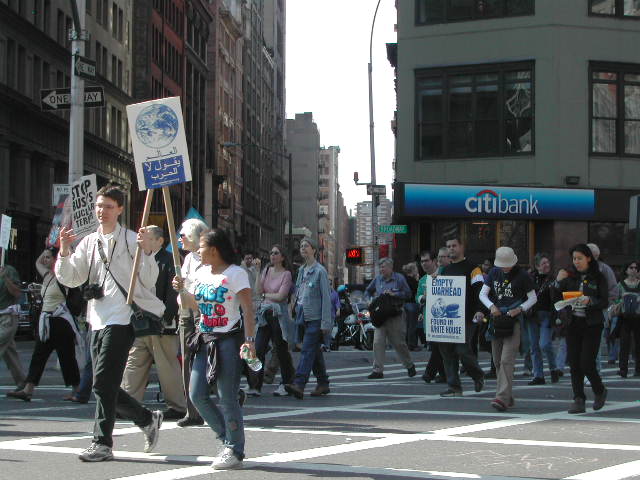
(136, 260)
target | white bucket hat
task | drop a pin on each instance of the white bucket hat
(505, 257)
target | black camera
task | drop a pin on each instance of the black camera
(92, 291)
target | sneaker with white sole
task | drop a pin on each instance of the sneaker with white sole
(152, 431)
(227, 460)
(96, 453)
(252, 392)
(280, 391)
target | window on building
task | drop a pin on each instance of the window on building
(120, 24)
(615, 8)
(114, 69)
(120, 67)
(89, 7)
(442, 11)
(114, 20)
(105, 14)
(99, 11)
(484, 110)
(35, 13)
(46, 75)
(99, 58)
(37, 77)
(11, 63)
(67, 30)
(22, 70)
(615, 109)
(46, 16)
(60, 33)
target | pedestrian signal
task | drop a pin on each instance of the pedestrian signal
(354, 256)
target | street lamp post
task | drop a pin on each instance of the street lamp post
(289, 157)
(372, 148)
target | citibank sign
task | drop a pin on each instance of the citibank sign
(498, 202)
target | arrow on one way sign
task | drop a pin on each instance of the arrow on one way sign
(60, 98)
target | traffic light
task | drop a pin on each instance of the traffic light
(354, 256)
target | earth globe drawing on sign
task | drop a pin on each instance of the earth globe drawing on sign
(157, 126)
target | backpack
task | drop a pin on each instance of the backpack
(382, 308)
(630, 302)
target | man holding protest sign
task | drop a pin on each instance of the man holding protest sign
(104, 259)
(453, 352)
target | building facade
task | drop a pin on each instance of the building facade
(303, 142)
(529, 139)
(34, 144)
(365, 237)
(170, 60)
(328, 209)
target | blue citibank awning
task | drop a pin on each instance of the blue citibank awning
(483, 201)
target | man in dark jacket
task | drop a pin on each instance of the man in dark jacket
(162, 347)
(454, 352)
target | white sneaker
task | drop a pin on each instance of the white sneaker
(96, 453)
(226, 460)
(280, 391)
(152, 431)
(252, 392)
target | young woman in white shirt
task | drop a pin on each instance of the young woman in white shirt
(218, 290)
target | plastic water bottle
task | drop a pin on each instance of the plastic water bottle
(254, 362)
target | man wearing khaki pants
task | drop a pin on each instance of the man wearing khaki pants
(162, 348)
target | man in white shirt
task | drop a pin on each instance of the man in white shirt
(104, 260)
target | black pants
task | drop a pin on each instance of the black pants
(272, 332)
(435, 364)
(455, 353)
(62, 340)
(109, 350)
(630, 327)
(583, 344)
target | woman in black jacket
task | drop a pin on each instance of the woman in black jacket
(585, 324)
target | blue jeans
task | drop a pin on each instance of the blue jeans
(224, 419)
(540, 339)
(311, 356)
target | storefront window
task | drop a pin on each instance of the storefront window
(515, 234)
(617, 244)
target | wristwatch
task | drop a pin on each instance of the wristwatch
(250, 339)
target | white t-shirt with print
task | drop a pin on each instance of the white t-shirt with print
(217, 298)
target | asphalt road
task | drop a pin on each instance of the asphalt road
(394, 428)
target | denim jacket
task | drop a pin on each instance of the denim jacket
(316, 296)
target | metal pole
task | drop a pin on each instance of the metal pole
(76, 122)
(372, 148)
(291, 252)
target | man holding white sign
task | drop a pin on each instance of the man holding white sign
(459, 349)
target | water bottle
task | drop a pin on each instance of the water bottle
(254, 362)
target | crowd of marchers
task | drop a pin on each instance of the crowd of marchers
(217, 321)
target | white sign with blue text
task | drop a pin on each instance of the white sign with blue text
(159, 143)
(444, 312)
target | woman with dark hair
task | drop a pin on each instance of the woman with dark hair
(584, 324)
(628, 298)
(218, 290)
(273, 320)
(312, 308)
(57, 330)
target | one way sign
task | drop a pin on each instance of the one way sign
(60, 98)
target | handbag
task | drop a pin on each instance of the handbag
(382, 308)
(143, 322)
(503, 325)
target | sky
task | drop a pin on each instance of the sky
(327, 53)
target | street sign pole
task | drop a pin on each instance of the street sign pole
(76, 123)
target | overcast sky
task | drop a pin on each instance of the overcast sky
(326, 73)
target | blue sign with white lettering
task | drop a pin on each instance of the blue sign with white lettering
(164, 172)
(500, 202)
